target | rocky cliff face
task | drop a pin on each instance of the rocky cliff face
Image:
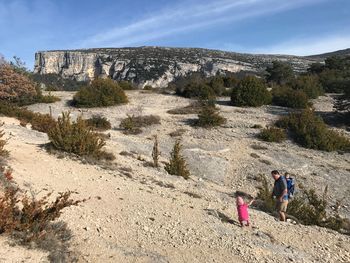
(153, 66)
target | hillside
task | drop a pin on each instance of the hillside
(138, 213)
(155, 66)
(341, 53)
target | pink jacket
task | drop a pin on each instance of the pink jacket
(243, 212)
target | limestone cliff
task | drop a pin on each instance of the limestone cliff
(156, 66)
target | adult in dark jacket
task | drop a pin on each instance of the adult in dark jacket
(280, 192)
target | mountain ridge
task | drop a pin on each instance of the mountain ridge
(155, 66)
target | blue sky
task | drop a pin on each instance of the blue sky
(299, 27)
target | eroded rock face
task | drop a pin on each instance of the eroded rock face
(153, 66)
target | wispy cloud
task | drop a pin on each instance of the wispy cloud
(188, 17)
(308, 46)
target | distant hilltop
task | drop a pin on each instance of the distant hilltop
(155, 66)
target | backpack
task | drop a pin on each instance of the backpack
(290, 187)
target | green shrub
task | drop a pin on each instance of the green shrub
(196, 90)
(251, 91)
(126, 85)
(307, 207)
(279, 72)
(288, 97)
(311, 209)
(273, 134)
(76, 137)
(177, 164)
(309, 130)
(100, 93)
(218, 85)
(133, 124)
(42, 122)
(98, 122)
(148, 87)
(39, 122)
(47, 98)
(309, 84)
(54, 82)
(209, 116)
(193, 108)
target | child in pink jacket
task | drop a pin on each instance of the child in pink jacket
(242, 209)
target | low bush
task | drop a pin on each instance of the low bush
(133, 124)
(309, 84)
(177, 164)
(42, 122)
(126, 85)
(196, 90)
(177, 133)
(309, 130)
(39, 122)
(54, 82)
(47, 99)
(99, 123)
(251, 91)
(288, 97)
(29, 220)
(307, 207)
(100, 93)
(76, 137)
(148, 87)
(209, 116)
(273, 134)
(193, 108)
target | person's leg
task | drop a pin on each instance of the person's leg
(283, 210)
(282, 216)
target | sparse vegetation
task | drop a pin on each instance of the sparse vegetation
(177, 133)
(133, 124)
(273, 134)
(55, 82)
(308, 207)
(148, 87)
(100, 93)
(209, 115)
(126, 85)
(99, 123)
(177, 164)
(309, 84)
(76, 137)
(29, 220)
(39, 122)
(193, 108)
(251, 91)
(288, 97)
(279, 72)
(309, 130)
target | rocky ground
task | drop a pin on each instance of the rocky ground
(141, 214)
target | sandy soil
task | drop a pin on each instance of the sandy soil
(141, 214)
